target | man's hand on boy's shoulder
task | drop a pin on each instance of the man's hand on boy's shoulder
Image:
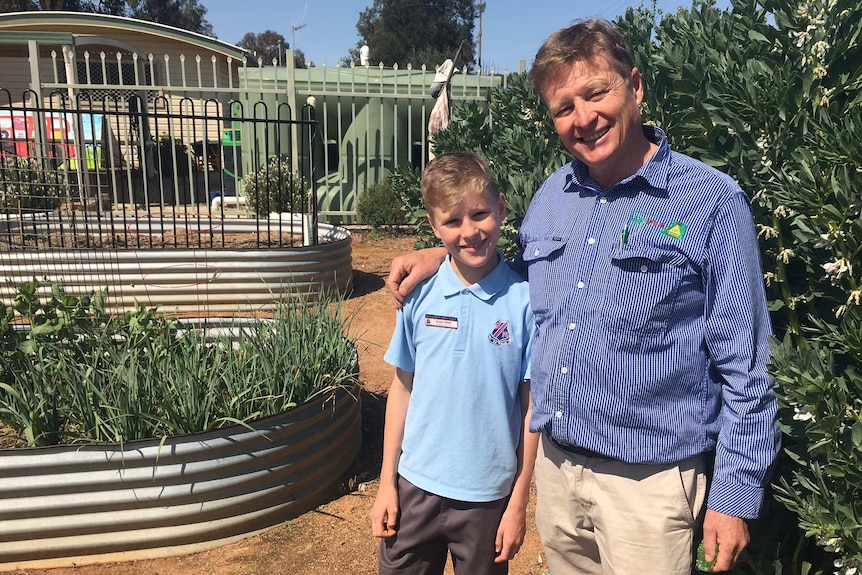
(511, 533)
(410, 269)
(384, 512)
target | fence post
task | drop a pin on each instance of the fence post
(291, 103)
(310, 218)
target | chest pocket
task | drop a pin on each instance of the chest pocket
(549, 280)
(642, 289)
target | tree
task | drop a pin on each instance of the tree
(417, 31)
(268, 46)
(17, 6)
(112, 7)
(185, 14)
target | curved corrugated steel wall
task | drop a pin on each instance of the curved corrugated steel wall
(187, 280)
(73, 505)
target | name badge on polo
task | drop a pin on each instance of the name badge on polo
(441, 321)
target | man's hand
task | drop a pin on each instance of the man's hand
(729, 533)
(510, 533)
(384, 513)
(408, 270)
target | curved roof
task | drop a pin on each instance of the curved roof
(85, 23)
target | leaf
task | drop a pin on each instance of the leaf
(701, 564)
(856, 434)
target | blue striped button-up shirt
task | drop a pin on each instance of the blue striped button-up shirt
(652, 321)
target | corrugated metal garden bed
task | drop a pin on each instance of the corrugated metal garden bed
(77, 504)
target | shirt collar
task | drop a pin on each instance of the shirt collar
(484, 289)
(655, 171)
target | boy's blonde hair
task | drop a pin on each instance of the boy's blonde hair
(452, 176)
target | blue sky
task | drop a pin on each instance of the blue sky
(510, 32)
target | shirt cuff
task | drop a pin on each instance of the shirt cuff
(742, 501)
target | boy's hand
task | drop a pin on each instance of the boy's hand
(384, 513)
(408, 270)
(510, 533)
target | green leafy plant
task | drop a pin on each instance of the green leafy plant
(27, 186)
(275, 188)
(76, 374)
(769, 95)
(380, 207)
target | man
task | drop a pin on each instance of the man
(649, 364)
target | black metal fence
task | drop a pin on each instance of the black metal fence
(133, 169)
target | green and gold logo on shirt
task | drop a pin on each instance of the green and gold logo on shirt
(675, 230)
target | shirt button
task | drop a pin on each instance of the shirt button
(564, 370)
(559, 414)
(573, 325)
(591, 241)
(644, 269)
(603, 201)
(580, 285)
(537, 252)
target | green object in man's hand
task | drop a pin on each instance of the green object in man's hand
(702, 564)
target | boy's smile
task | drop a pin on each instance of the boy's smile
(470, 231)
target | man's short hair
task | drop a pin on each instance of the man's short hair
(580, 42)
(451, 176)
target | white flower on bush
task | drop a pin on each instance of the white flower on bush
(803, 414)
(800, 38)
(783, 211)
(796, 300)
(855, 297)
(785, 255)
(830, 544)
(766, 232)
(828, 239)
(768, 278)
(838, 269)
(845, 567)
(819, 49)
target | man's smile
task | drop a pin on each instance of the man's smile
(596, 136)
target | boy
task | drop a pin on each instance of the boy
(457, 452)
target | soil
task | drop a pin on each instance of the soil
(335, 538)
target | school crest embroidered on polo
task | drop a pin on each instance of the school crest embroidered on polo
(500, 333)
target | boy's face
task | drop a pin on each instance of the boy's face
(470, 231)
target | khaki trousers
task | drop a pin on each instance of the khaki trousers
(605, 517)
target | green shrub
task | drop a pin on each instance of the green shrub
(25, 186)
(406, 185)
(769, 94)
(79, 375)
(275, 188)
(380, 207)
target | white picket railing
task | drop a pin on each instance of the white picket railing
(371, 119)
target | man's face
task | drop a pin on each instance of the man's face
(596, 114)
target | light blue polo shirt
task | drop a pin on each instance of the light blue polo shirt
(469, 349)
